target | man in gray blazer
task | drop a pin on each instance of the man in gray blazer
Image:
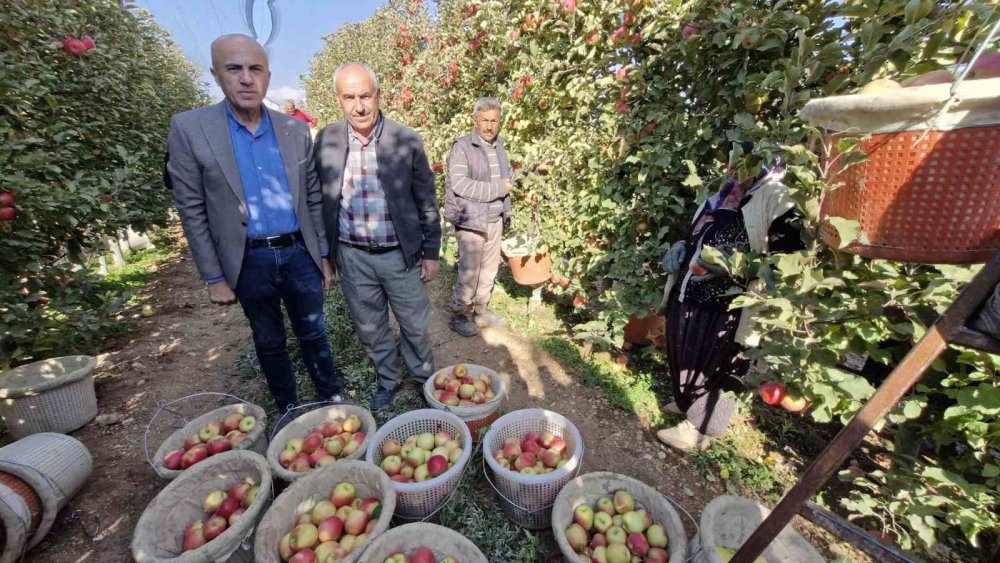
(246, 189)
(381, 218)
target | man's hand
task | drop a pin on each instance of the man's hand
(329, 274)
(428, 270)
(674, 257)
(508, 186)
(221, 294)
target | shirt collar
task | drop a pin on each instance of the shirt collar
(376, 130)
(265, 122)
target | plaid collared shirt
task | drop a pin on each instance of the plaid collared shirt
(364, 212)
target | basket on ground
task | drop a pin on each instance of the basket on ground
(928, 189)
(475, 416)
(588, 488)
(444, 542)
(301, 496)
(418, 501)
(527, 499)
(255, 441)
(160, 530)
(14, 518)
(301, 426)
(55, 466)
(728, 521)
(54, 395)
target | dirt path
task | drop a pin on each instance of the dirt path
(190, 346)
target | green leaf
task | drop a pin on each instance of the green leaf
(847, 229)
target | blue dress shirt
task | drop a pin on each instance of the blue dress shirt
(265, 186)
(262, 171)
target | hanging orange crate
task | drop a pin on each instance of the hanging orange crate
(928, 189)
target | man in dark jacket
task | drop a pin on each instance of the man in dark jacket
(383, 227)
(477, 202)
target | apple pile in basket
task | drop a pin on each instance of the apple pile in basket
(419, 555)
(224, 510)
(463, 389)
(213, 438)
(617, 530)
(332, 529)
(421, 456)
(321, 446)
(532, 454)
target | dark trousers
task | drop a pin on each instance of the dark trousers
(270, 277)
(704, 361)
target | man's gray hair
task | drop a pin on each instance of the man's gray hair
(368, 69)
(485, 103)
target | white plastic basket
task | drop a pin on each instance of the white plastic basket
(317, 417)
(469, 413)
(419, 501)
(527, 499)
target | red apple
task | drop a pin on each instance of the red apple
(215, 526)
(74, 46)
(231, 422)
(192, 441)
(236, 515)
(227, 507)
(194, 455)
(6, 200)
(239, 492)
(218, 444)
(311, 442)
(173, 460)
(194, 536)
(437, 465)
(331, 529)
(422, 555)
(772, 392)
(304, 556)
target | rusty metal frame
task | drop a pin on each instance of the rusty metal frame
(948, 329)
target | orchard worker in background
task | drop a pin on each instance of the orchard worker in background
(705, 338)
(383, 225)
(249, 200)
(477, 202)
(295, 113)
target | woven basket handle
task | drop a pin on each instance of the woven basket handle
(162, 406)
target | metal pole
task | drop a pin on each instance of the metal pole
(899, 382)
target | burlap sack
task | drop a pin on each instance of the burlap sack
(299, 427)
(301, 496)
(444, 542)
(160, 530)
(256, 440)
(728, 521)
(589, 487)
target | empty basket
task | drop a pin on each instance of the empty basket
(54, 395)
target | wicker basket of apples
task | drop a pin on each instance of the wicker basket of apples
(424, 452)
(331, 514)
(421, 542)
(232, 427)
(532, 454)
(604, 516)
(207, 513)
(318, 438)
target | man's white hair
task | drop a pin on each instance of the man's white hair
(368, 69)
(486, 103)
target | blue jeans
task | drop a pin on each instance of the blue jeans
(268, 278)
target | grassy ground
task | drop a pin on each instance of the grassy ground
(742, 458)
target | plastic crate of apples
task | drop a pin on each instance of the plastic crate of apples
(323, 445)
(532, 454)
(617, 530)
(460, 388)
(223, 510)
(420, 457)
(333, 529)
(213, 438)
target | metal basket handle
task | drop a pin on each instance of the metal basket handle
(277, 423)
(162, 406)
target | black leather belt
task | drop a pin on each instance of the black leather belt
(280, 241)
(371, 249)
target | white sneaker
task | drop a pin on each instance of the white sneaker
(684, 437)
